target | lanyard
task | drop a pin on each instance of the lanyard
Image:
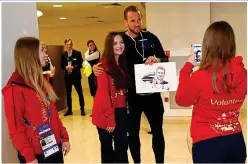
(48, 113)
(142, 44)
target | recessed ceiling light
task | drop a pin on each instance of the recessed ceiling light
(39, 13)
(57, 6)
(62, 18)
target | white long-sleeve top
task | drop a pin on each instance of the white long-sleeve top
(92, 56)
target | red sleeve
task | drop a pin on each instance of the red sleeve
(104, 84)
(244, 82)
(188, 89)
(63, 131)
(13, 103)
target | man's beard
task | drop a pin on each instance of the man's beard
(134, 32)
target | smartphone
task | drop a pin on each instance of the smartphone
(197, 48)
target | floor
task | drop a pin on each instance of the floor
(85, 146)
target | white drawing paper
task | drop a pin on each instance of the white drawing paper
(158, 77)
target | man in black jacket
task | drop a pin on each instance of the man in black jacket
(71, 63)
(142, 47)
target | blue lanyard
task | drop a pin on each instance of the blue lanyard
(48, 113)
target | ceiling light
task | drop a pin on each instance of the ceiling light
(62, 18)
(57, 6)
(39, 13)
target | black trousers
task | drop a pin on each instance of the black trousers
(118, 154)
(92, 84)
(78, 86)
(55, 158)
(224, 149)
(152, 106)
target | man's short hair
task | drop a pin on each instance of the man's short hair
(67, 40)
(128, 9)
(160, 67)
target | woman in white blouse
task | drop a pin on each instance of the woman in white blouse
(92, 55)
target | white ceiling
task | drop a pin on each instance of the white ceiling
(75, 12)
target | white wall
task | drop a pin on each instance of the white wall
(18, 19)
(178, 25)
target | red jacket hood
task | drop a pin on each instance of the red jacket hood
(15, 78)
(236, 72)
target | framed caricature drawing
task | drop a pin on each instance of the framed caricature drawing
(158, 77)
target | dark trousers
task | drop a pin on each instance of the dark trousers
(153, 109)
(55, 158)
(77, 84)
(224, 149)
(118, 154)
(92, 84)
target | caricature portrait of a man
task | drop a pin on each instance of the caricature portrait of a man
(159, 77)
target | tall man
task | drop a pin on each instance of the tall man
(71, 63)
(142, 47)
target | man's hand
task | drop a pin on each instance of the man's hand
(97, 69)
(151, 60)
(69, 68)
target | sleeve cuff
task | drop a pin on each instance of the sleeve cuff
(111, 122)
(65, 139)
(29, 157)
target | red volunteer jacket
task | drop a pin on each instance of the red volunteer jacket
(213, 114)
(21, 102)
(107, 98)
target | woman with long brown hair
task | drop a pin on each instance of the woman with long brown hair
(217, 91)
(33, 122)
(110, 105)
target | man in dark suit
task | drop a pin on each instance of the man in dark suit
(71, 63)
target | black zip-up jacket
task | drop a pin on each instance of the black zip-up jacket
(77, 61)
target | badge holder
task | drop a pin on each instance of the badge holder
(47, 140)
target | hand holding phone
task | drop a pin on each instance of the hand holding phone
(197, 49)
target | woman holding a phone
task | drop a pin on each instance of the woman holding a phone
(217, 91)
(48, 68)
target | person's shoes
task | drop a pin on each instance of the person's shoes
(150, 132)
(68, 113)
(83, 113)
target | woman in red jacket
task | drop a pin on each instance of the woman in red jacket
(217, 91)
(110, 106)
(33, 122)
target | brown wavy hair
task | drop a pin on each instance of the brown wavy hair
(218, 47)
(109, 56)
(28, 66)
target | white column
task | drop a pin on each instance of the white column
(18, 20)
